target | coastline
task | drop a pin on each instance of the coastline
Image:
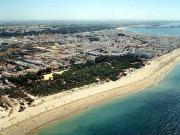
(68, 103)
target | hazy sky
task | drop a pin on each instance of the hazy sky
(89, 9)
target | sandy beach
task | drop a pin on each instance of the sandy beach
(121, 28)
(59, 106)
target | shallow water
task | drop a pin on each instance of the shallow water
(154, 111)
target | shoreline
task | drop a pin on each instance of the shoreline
(72, 102)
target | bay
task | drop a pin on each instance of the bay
(156, 31)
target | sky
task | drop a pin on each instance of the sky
(89, 9)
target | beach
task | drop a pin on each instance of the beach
(65, 104)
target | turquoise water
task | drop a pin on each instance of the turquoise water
(156, 31)
(154, 111)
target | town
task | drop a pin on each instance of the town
(30, 49)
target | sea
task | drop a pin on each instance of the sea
(156, 31)
(153, 111)
(167, 29)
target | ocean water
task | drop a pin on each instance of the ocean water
(154, 111)
(156, 31)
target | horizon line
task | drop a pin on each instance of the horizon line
(87, 20)
(115, 21)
